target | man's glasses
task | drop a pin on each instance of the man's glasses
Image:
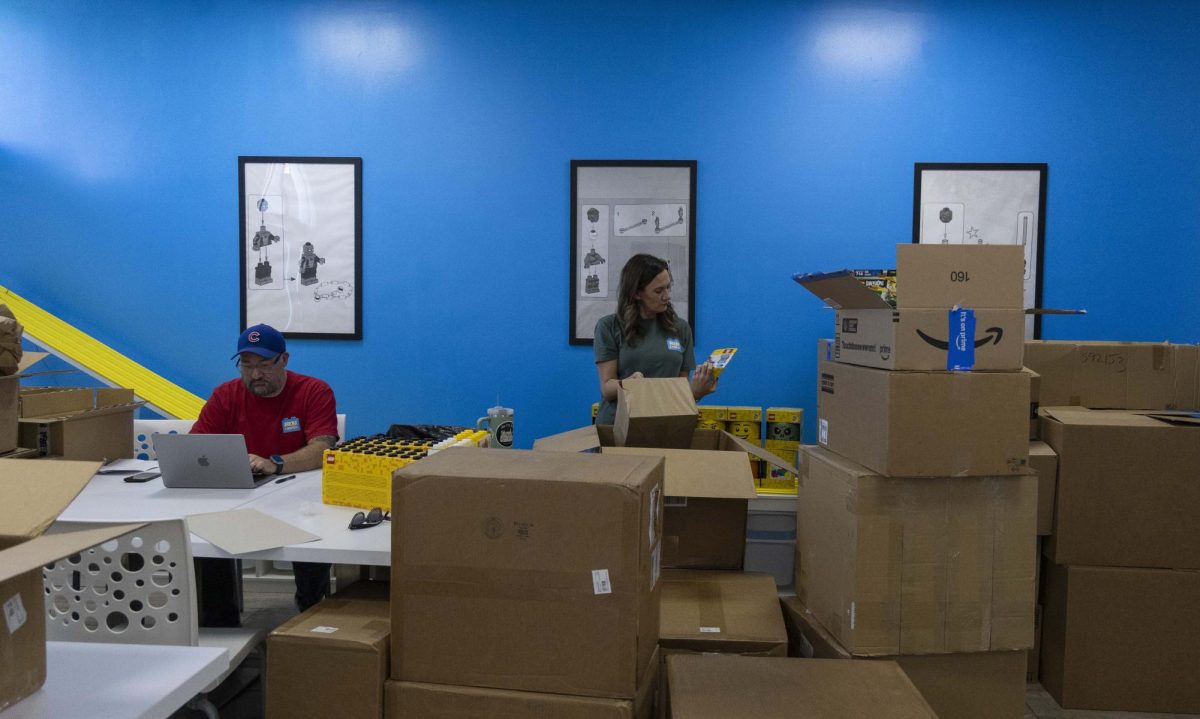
(251, 368)
(363, 520)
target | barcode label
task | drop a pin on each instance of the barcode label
(14, 614)
(710, 630)
(323, 630)
(600, 582)
(823, 432)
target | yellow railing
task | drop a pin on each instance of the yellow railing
(101, 360)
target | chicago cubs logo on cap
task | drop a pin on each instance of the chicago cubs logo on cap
(253, 336)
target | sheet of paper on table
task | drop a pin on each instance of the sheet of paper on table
(247, 530)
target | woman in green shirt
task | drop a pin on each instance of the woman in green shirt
(645, 338)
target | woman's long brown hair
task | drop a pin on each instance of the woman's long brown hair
(638, 272)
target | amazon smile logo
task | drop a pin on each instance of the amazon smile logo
(993, 336)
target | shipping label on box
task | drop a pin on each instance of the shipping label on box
(916, 565)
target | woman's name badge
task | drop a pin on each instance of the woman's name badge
(674, 344)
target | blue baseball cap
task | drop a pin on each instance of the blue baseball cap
(262, 340)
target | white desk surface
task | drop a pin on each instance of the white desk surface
(119, 681)
(109, 498)
(339, 544)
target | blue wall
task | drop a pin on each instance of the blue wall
(121, 123)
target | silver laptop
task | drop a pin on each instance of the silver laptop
(205, 461)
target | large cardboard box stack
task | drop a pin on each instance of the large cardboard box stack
(331, 660)
(956, 308)
(534, 573)
(32, 494)
(1121, 594)
(917, 513)
(977, 685)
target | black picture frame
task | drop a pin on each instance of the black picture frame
(996, 203)
(305, 213)
(624, 207)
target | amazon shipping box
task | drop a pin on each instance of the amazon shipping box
(957, 307)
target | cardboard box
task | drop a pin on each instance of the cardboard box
(916, 566)
(331, 660)
(924, 424)
(977, 685)
(32, 494)
(704, 511)
(704, 520)
(9, 390)
(1116, 375)
(957, 307)
(1127, 490)
(1032, 661)
(1120, 639)
(1044, 462)
(655, 413)
(1035, 385)
(506, 564)
(716, 686)
(412, 700)
(726, 612)
(78, 422)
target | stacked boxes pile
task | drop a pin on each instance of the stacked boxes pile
(1120, 591)
(916, 527)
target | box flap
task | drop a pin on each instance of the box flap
(82, 414)
(581, 439)
(700, 472)
(768, 457)
(1083, 416)
(29, 359)
(33, 492)
(841, 290)
(49, 547)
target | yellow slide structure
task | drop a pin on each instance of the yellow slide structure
(100, 360)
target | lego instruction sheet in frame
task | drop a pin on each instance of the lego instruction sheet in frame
(992, 204)
(301, 243)
(620, 209)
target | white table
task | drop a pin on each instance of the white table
(119, 681)
(109, 498)
(298, 502)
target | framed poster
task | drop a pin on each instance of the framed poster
(620, 208)
(301, 245)
(987, 204)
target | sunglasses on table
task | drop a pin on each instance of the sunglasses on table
(363, 520)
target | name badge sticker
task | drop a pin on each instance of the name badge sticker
(291, 424)
(674, 344)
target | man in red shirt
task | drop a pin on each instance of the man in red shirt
(288, 420)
